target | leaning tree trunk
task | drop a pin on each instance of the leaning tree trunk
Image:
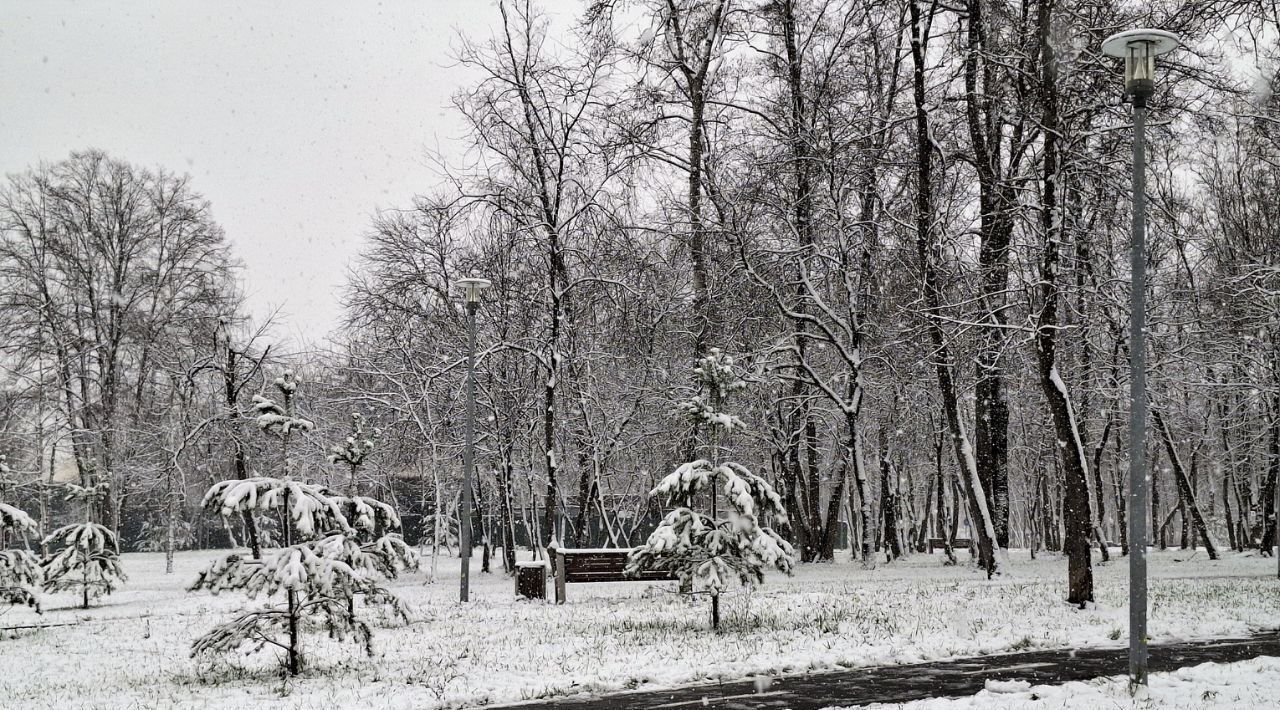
(1099, 495)
(1184, 484)
(1076, 510)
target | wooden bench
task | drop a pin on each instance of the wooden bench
(937, 543)
(579, 565)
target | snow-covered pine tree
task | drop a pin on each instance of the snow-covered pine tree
(313, 569)
(20, 573)
(310, 573)
(710, 552)
(89, 558)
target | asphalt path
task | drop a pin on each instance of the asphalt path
(904, 683)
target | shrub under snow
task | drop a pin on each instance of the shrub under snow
(20, 573)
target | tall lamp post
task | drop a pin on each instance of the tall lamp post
(1139, 49)
(471, 288)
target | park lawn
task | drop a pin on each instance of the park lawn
(131, 651)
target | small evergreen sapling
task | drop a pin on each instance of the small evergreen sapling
(710, 552)
(319, 568)
(20, 573)
(311, 575)
(89, 558)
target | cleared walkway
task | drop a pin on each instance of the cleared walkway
(900, 684)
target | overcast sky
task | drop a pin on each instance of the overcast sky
(297, 120)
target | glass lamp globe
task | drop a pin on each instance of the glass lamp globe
(472, 287)
(1139, 49)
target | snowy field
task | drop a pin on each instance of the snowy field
(131, 650)
(1247, 685)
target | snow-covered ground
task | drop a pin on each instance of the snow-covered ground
(131, 650)
(1247, 685)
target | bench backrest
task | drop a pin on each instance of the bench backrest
(599, 566)
(937, 543)
(574, 565)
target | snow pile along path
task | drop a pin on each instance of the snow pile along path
(1245, 685)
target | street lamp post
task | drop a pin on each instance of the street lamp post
(472, 288)
(1138, 48)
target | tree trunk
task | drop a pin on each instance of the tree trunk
(1099, 497)
(1048, 523)
(945, 530)
(295, 640)
(831, 528)
(889, 501)
(1268, 516)
(862, 506)
(170, 514)
(551, 506)
(1157, 531)
(508, 519)
(920, 541)
(798, 506)
(930, 254)
(231, 388)
(1078, 517)
(1122, 510)
(991, 410)
(1228, 465)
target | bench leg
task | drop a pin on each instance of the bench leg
(560, 580)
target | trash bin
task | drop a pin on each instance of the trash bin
(531, 580)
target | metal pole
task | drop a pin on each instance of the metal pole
(468, 453)
(1138, 493)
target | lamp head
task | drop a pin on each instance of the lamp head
(472, 288)
(1139, 49)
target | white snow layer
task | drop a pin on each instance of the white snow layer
(131, 650)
